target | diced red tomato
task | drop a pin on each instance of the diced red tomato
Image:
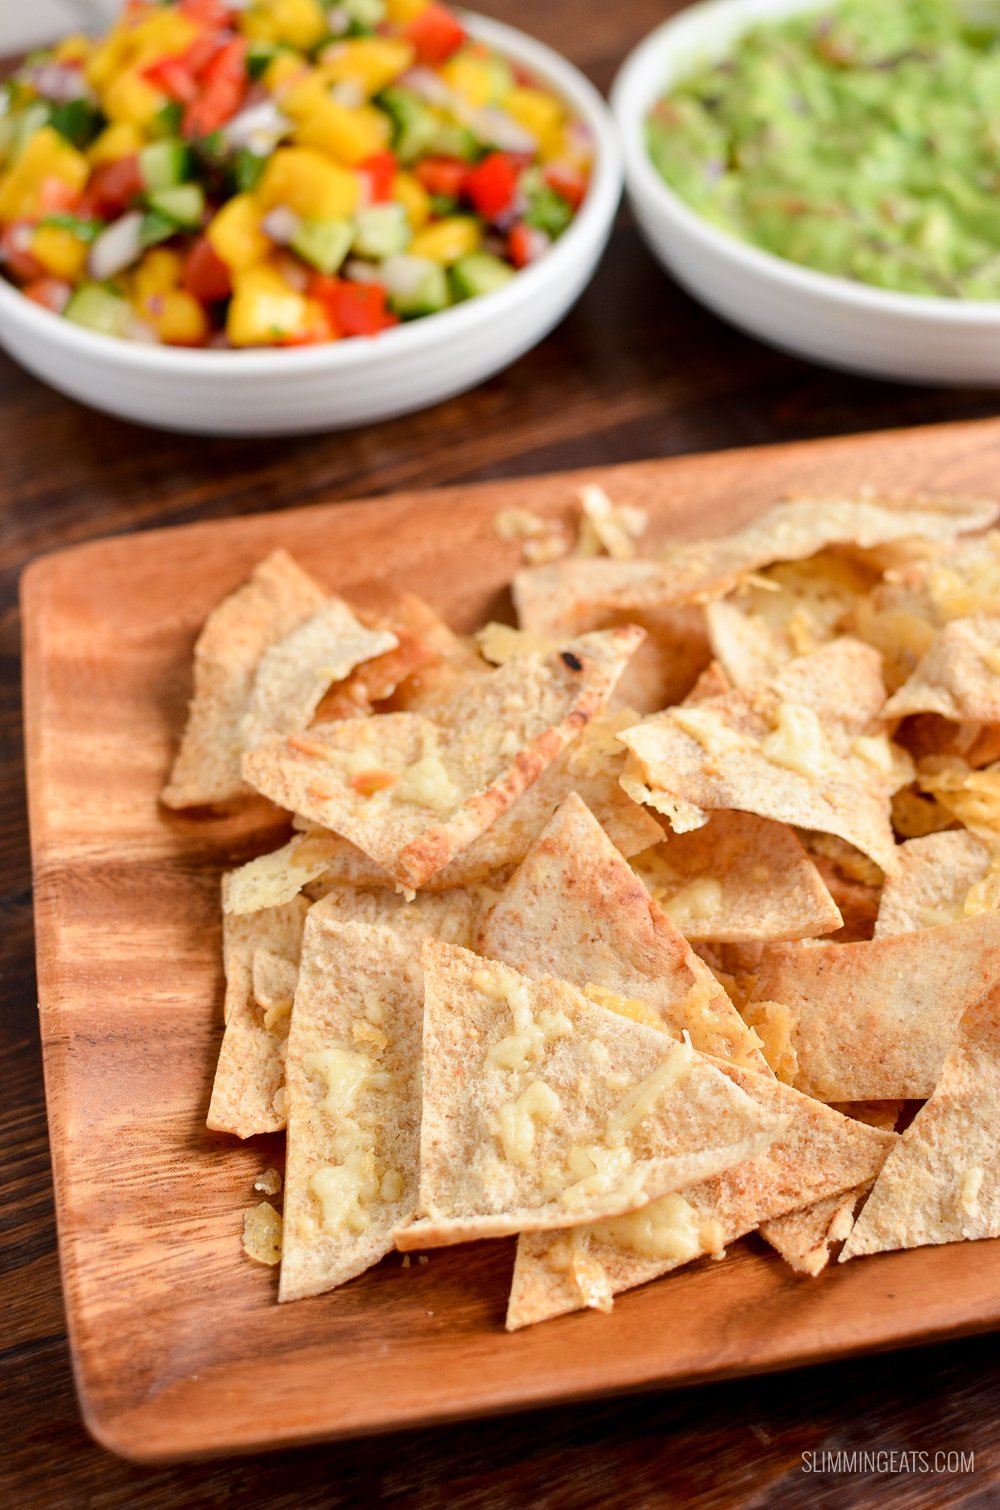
(526, 244)
(567, 181)
(112, 188)
(435, 33)
(56, 196)
(172, 77)
(380, 170)
(50, 293)
(318, 328)
(355, 309)
(446, 176)
(15, 251)
(205, 274)
(209, 12)
(224, 83)
(202, 50)
(491, 185)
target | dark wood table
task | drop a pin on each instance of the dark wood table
(637, 370)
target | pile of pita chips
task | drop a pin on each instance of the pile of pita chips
(630, 930)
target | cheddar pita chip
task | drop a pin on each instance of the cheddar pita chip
(542, 1109)
(414, 792)
(576, 910)
(959, 677)
(973, 797)
(874, 1020)
(261, 957)
(278, 598)
(940, 1184)
(292, 676)
(934, 878)
(738, 878)
(353, 1104)
(789, 531)
(274, 879)
(805, 749)
(819, 1152)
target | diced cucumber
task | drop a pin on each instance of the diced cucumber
(453, 140)
(416, 124)
(323, 243)
(366, 13)
(156, 228)
(167, 120)
(501, 77)
(184, 204)
(77, 120)
(417, 286)
(260, 55)
(96, 307)
(164, 164)
(382, 231)
(480, 273)
(248, 169)
(26, 123)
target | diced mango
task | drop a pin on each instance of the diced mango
(408, 191)
(108, 58)
(60, 252)
(164, 33)
(119, 140)
(400, 12)
(448, 240)
(235, 233)
(284, 69)
(157, 273)
(308, 183)
(265, 310)
(470, 77)
(131, 98)
(177, 317)
(73, 49)
(47, 155)
(370, 62)
(300, 23)
(540, 114)
(350, 133)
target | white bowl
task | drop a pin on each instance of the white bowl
(350, 382)
(829, 319)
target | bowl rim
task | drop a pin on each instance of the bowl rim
(554, 268)
(629, 105)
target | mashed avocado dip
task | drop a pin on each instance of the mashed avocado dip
(863, 141)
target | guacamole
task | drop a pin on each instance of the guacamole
(863, 141)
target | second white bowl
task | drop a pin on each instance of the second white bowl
(832, 320)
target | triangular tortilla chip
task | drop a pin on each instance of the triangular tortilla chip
(277, 599)
(414, 792)
(789, 531)
(248, 1095)
(576, 910)
(804, 1238)
(819, 1152)
(934, 878)
(542, 1109)
(941, 1184)
(293, 675)
(804, 749)
(873, 1021)
(959, 677)
(738, 878)
(353, 1096)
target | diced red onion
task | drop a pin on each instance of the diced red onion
(257, 127)
(357, 271)
(429, 87)
(135, 329)
(61, 82)
(501, 130)
(294, 274)
(538, 243)
(116, 248)
(348, 93)
(281, 224)
(338, 23)
(402, 275)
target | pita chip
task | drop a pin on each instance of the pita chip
(278, 598)
(261, 957)
(959, 677)
(738, 878)
(873, 1021)
(819, 1152)
(805, 749)
(542, 1109)
(575, 909)
(413, 792)
(941, 1183)
(248, 1096)
(935, 876)
(293, 675)
(274, 879)
(353, 1104)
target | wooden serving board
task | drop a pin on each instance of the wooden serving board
(180, 1348)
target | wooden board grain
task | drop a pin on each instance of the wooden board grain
(179, 1347)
